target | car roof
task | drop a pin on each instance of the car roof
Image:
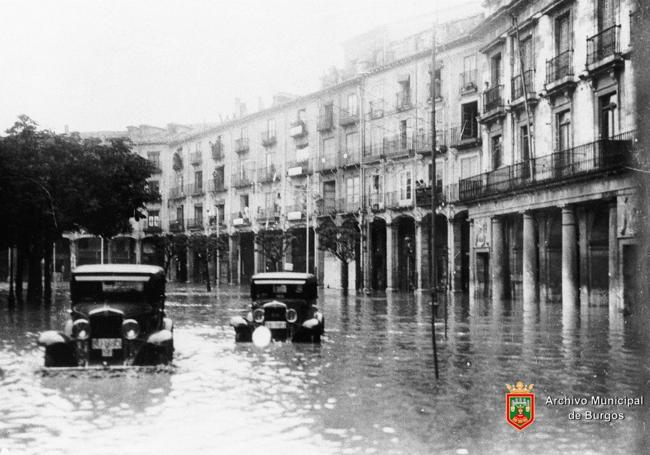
(278, 277)
(118, 269)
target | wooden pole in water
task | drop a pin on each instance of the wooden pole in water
(434, 296)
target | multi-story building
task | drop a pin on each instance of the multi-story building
(534, 124)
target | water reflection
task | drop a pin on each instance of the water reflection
(369, 388)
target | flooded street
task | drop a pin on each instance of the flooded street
(369, 388)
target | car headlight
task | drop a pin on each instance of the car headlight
(81, 329)
(292, 315)
(258, 315)
(130, 329)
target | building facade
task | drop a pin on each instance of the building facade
(534, 125)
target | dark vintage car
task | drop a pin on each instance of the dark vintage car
(117, 318)
(284, 303)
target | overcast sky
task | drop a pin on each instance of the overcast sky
(103, 65)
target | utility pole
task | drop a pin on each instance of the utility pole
(307, 197)
(434, 295)
(525, 91)
(362, 187)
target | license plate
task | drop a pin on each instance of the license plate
(276, 324)
(107, 345)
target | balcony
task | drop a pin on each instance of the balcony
(374, 153)
(518, 88)
(266, 174)
(326, 163)
(298, 129)
(399, 200)
(559, 72)
(217, 151)
(298, 168)
(376, 109)
(603, 50)
(196, 189)
(349, 158)
(444, 195)
(195, 224)
(493, 107)
(269, 138)
(156, 168)
(326, 207)
(295, 212)
(152, 230)
(241, 218)
(176, 226)
(403, 101)
(583, 161)
(325, 122)
(398, 146)
(464, 137)
(468, 82)
(241, 180)
(214, 223)
(241, 145)
(177, 192)
(216, 186)
(268, 213)
(348, 118)
(196, 158)
(344, 206)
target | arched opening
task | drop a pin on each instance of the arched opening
(246, 257)
(378, 254)
(553, 264)
(406, 272)
(598, 256)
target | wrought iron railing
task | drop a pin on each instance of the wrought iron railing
(348, 118)
(517, 85)
(403, 101)
(585, 159)
(176, 226)
(493, 98)
(177, 192)
(603, 44)
(242, 179)
(468, 81)
(266, 174)
(326, 163)
(241, 145)
(195, 223)
(559, 67)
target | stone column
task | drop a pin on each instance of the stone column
(190, 264)
(390, 286)
(530, 275)
(472, 263)
(615, 299)
(542, 254)
(569, 259)
(583, 255)
(138, 250)
(231, 259)
(367, 273)
(418, 255)
(498, 261)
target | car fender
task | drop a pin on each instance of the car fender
(160, 337)
(238, 321)
(52, 337)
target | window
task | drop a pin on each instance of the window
(403, 135)
(468, 166)
(179, 213)
(469, 127)
(562, 34)
(377, 183)
(606, 14)
(607, 115)
(327, 115)
(328, 148)
(219, 212)
(270, 127)
(439, 176)
(352, 190)
(352, 144)
(495, 70)
(179, 180)
(405, 185)
(270, 158)
(198, 214)
(154, 158)
(243, 206)
(353, 104)
(154, 186)
(497, 152)
(523, 143)
(469, 67)
(218, 174)
(198, 180)
(564, 130)
(526, 55)
(302, 115)
(153, 218)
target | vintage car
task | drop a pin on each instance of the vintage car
(284, 303)
(117, 318)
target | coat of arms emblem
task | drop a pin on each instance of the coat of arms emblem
(520, 405)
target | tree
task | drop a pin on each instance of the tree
(342, 241)
(273, 244)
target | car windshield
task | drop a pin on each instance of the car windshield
(281, 291)
(109, 291)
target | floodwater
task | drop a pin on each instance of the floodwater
(369, 388)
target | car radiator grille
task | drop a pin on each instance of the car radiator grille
(275, 314)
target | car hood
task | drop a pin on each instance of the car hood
(130, 310)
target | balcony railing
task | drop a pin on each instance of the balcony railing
(603, 44)
(376, 109)
(298, 129)
(326, 163)
(240, 218)
(216, 186)
(400, 199)
(152, 229)
(196, 158)
(468, 81)
(403, 101)
(297, 168)
(240, 180)
(349, 158)
(348, 118)
(176, 226)
(347, 206)
(374, 152)
(177, 192)
(445, 195)
(493, 98)
(397, 145)
(559, 67)
(326, 207)
(195, 223)
(268, 213)
(269, 138)
(156, 166)
(517, 85)
(196, 189)
(241, 145)
(266, 174)
(591, 158)
(376, 201)
(465, 136)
